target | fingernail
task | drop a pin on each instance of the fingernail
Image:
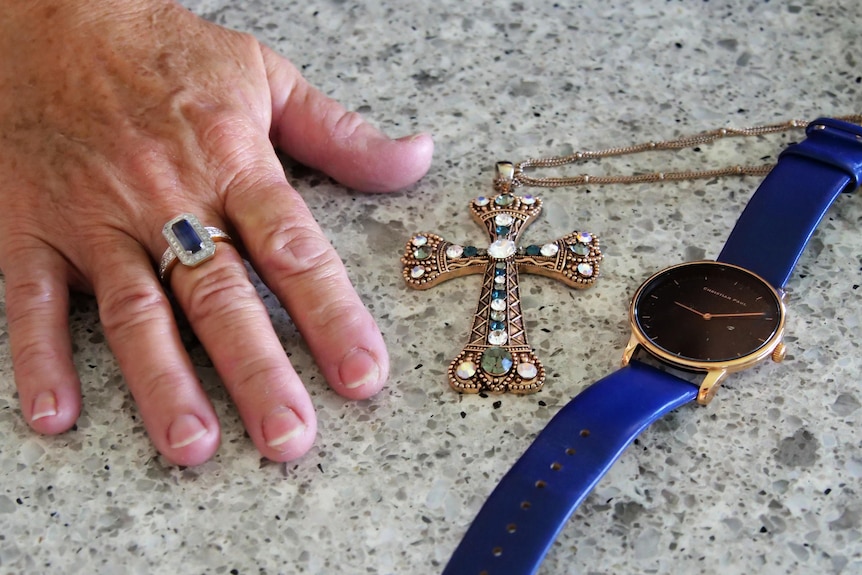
(185, 430)
(358, 369)
(45, 405)
(412, 137)
(280, 426)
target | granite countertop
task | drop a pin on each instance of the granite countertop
(767, 479)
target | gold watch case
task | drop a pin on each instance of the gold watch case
(676, 299)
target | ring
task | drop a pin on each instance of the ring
(189, 243)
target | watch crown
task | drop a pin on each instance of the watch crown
(779, 353)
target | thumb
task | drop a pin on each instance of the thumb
(319, 132)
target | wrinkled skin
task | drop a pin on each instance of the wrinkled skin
(115, 116)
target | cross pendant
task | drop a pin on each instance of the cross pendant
(498, 357)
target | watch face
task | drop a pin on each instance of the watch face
(707, 312)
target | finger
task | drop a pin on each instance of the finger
(320, 133)
(234, 326)
(37, 309)
(294, 258)
(141, 330)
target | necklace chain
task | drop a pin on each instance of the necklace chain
(521, 179)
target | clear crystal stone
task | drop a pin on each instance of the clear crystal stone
(482, 201)
(498, 315)
(550, 250)
(419, 241)
(454, 251)
(498, 337)
(585, 269)
(500, 280)
(504, 219)
(465, 370)
(528, 199)
(527, 370)
(417, 272)
(498, 304)
(502, 249)
(585, 237)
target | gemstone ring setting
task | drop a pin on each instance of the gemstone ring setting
(189, 243)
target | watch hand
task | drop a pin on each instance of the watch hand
(691, 309)
(749, 314)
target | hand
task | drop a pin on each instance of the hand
(691, 309)
(116, 116)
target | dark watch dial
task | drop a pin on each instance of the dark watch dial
(707, 312)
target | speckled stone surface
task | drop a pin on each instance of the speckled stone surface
(767, 479)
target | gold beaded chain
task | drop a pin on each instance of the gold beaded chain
(520, 179)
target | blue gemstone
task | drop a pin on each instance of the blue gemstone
(498, 294)
(580, 249)
(502, 230)
(499, 271)
(187, 236)
(534, 250)
(470, 251)
(498, 325)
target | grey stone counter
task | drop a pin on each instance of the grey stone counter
(767, 479)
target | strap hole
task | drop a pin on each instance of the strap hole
(555, 466)
(497, 551)
(511, 528)
(570, 451)
(585, 433)
(541, 484)
(526, 505)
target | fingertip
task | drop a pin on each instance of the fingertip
(361, 374)
(190, 440)
(373, 162)
(45, 405)
(404, 165)
(287, 434)
(53, 411)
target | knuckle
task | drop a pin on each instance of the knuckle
(222, 292)
(340, 315)
(346, 124)
(159, 387)
(29, 297)
(258, 377)
(33, 355)
(297, 252)
(125, 307)
(232, 141)
(223, 128)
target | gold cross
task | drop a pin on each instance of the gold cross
(498, 357)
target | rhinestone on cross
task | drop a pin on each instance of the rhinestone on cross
(498, 357)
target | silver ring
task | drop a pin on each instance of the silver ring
(189, 243)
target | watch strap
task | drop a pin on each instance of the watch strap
(783, 213)
(523, 515)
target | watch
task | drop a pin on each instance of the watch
(711, 318)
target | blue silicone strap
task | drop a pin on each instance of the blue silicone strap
(524, 514)
(778, 221)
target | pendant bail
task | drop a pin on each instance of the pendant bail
(505, 178)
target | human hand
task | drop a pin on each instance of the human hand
(115, 116)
